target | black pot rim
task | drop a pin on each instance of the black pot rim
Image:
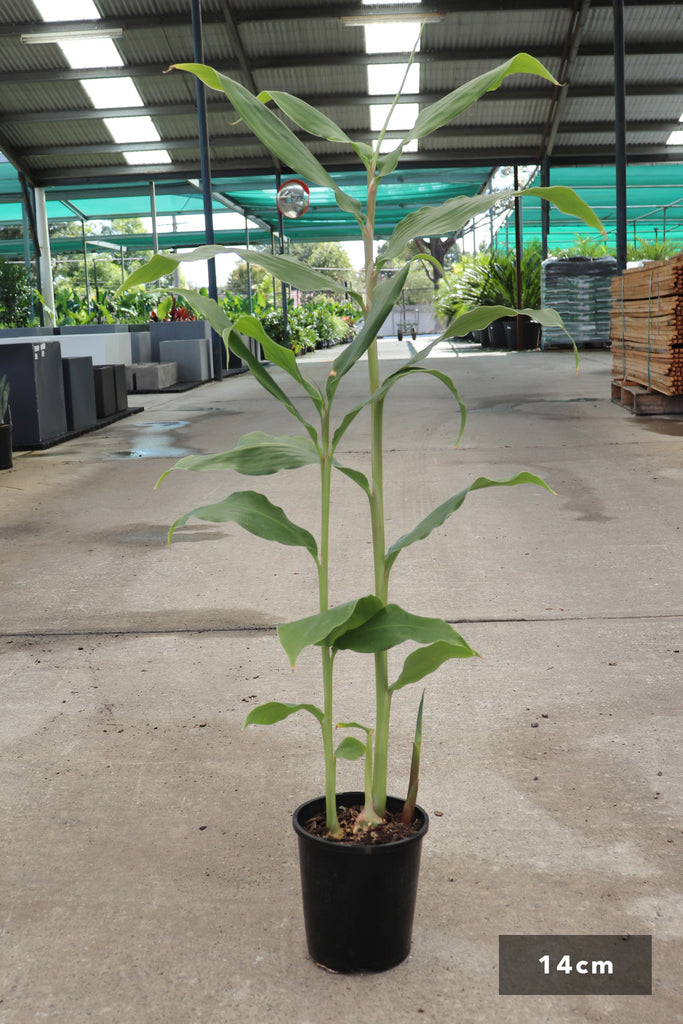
(351, 849)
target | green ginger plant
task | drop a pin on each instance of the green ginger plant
(368, 624)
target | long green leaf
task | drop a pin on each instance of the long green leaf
(255, 454)
(447, 508)
(386, 386)
(278, 354)
(451, 216)
(285, 268)
(314, 121)
(254, 513)
(234, 341)
(273, 133)
(323, 629)
(425, 660)
(275, 711)
(392, 625)
(386, 295)
(438, 114)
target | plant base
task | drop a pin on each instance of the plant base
(5, 445)
(359, 901)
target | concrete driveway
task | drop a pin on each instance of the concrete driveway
(149, 871)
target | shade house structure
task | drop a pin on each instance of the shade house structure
(94, 130)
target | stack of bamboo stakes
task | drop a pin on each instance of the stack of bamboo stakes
(646, 325)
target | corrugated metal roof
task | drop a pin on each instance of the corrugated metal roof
(51, 133)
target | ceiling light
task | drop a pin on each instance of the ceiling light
(71, 35)
(360, 20)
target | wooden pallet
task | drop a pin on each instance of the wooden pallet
(644, 401)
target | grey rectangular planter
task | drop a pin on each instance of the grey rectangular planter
(79, 392)
(105, 391)
(34, 372)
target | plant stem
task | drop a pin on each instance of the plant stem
(326, 654)
(382, 695)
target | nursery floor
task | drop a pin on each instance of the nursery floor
(148, 866)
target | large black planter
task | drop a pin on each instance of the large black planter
(5, 445)
(358, 901)
(530, 336)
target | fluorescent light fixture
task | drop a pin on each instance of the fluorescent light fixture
(132, 129)
(386, 79)
(102, 95)
(361, 20)
(148, 156)
(71, 35)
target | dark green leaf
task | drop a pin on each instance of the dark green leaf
(322, 629)
(393, 625)
(385, 297)
(254, 513)
(268, 714)
(441, 514)
(350, 749)
(256, 454)
(273, 133)
(426, 660)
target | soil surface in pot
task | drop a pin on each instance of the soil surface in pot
(389, 831)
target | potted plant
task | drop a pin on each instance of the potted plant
(341, 836)
(5, 427)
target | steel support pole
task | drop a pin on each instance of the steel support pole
(45, 261)
(545, 208)
(620, 131)
(220, 361)
(518, 247)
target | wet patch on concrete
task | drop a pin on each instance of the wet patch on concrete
(155, 441)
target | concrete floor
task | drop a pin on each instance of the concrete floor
(149, 870)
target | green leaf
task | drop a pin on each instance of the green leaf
(393, 625)
(235, 343)
(567, 201)
(441, 514)
(269, 714)
(285, 268)
(480, 317)
(438, 114)
(323, 629)
(385, 297)
(254, 513)
(355, 475)
(278, 354)
(392, 379)
(273, 133)
(425, 660)
(448, 107)
(350, 749)
(314, 121)
(255, 454)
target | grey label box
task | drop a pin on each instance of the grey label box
(531, 965)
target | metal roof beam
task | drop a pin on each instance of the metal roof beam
(340, 10)
(324, 100)
(545, 51)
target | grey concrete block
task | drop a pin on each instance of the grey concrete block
(155, 376)
(192, 356)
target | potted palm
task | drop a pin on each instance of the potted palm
(358, 850)
(5, 427)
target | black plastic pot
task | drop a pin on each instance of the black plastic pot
(530, 334)
(359, 901)
(5, 445)
(497, 334)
